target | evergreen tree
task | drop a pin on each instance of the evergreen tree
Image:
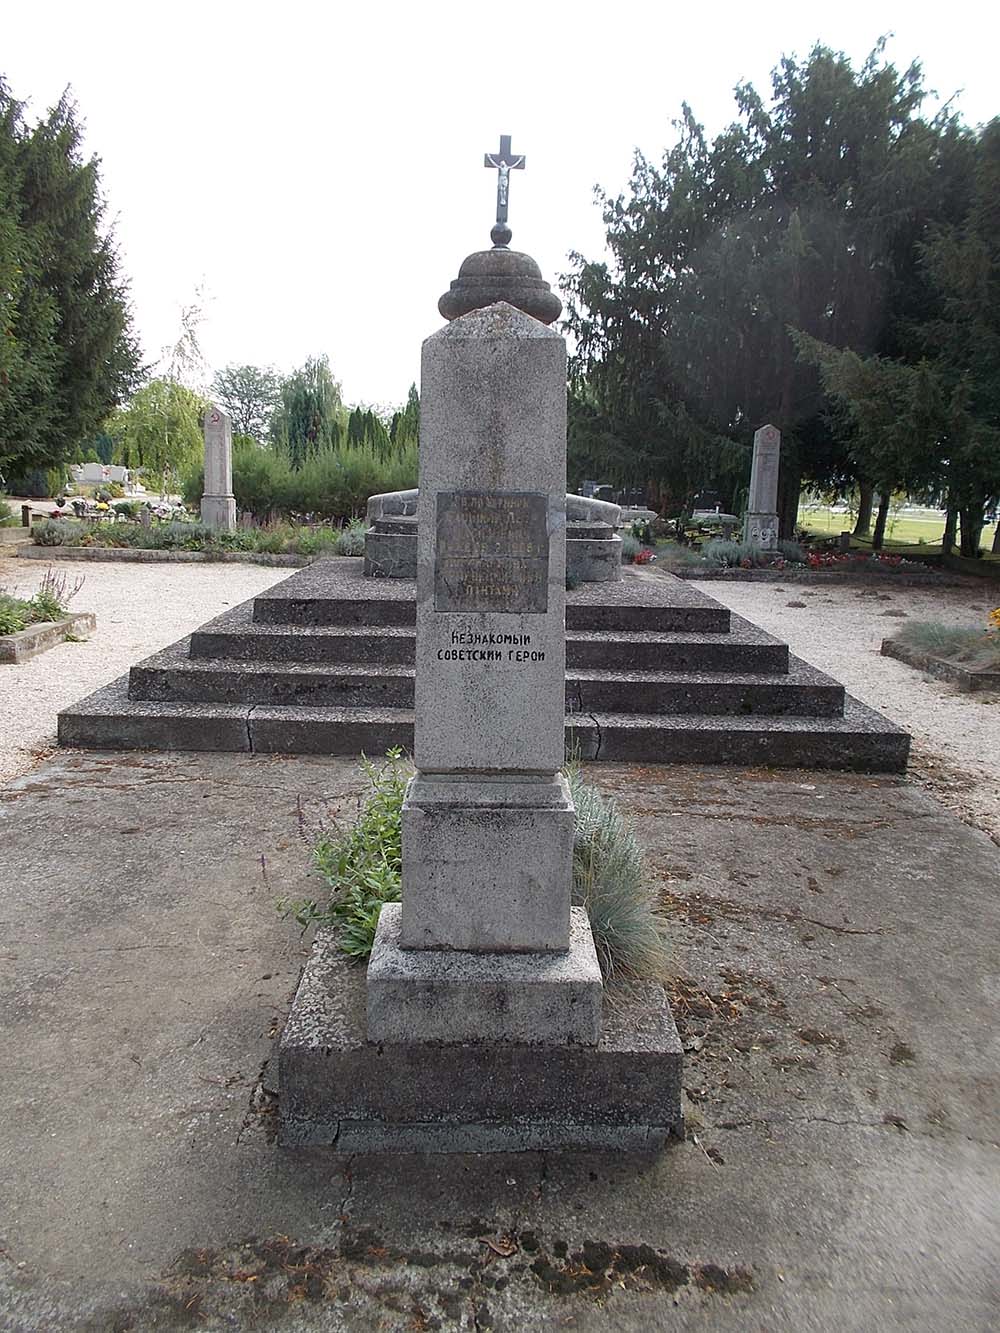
(805, 213)
(70, 354)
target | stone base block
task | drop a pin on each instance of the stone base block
(436, 995)
(761, 530)
(487, 864)
(340, 1090)
(219, 512)
(390, 555)
(593, 560)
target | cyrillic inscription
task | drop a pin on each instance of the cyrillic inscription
(492, 552)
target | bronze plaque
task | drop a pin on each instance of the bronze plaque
(492, 552)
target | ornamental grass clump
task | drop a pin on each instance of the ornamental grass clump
(361, 865)
(609, 880)
(972, 647)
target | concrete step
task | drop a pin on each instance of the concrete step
(235, 635)
(174, 676)
(335, 592)
(861, 740)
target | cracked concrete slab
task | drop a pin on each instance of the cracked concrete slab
(835, 987)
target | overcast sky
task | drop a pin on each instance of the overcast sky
(317, 168)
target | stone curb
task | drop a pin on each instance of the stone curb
(909, 580)
(141, 556)
(27, 643)
(940, 667)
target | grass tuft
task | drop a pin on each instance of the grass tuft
(361, 866)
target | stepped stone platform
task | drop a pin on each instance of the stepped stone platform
(322, 663)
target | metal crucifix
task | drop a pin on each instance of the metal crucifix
(504, 163)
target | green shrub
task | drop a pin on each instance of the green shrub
(361, 866)
(731, 554)
(334, 483)
(351, 539)
(128, 508)
(794, 552)
(8, 519)
(57, 532)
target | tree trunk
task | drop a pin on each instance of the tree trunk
(972, 529)
(789, 491)
(863, 527)
(883, 513)
(950, 527)
(996, 539)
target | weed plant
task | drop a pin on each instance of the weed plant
(361, 866)
(49, 603)
(8, 519)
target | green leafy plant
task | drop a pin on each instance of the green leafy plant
(8, 519)
(361, 866)
(14, 614)
(54, 594)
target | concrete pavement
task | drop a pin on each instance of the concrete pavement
(836, 987)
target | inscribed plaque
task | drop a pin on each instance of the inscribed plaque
(492, 552)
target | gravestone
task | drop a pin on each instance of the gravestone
(760, 527)
(218, 504)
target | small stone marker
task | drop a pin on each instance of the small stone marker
(761, 523)
(218, 504)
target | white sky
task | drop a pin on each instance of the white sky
(318, 167)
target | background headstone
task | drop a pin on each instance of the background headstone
(760, 527)
(218, 504)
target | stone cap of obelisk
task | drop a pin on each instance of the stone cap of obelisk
(501, 274)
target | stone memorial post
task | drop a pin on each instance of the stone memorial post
(483, 1027)
(761, 523)
(485, 946)
(218, 505)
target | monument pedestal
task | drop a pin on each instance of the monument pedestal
(446, 995)
(481, 1025)
(487, 863)
(219, 512)
(339, 1089)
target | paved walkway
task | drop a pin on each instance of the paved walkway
(836, 989)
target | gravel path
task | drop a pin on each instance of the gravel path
(956, 736)
(142, 608)
(139, 609)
